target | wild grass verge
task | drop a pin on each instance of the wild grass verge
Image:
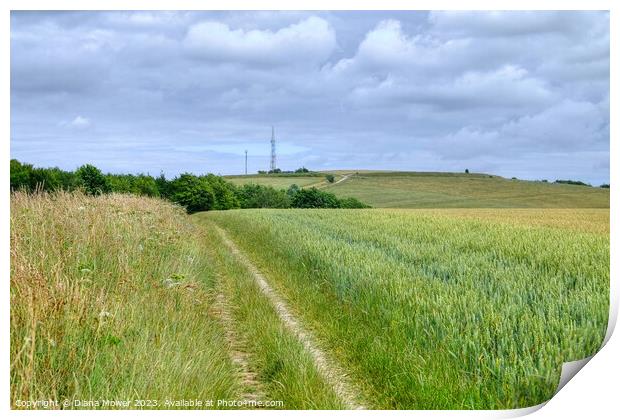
(111, 299)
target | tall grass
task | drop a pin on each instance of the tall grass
(111, 299)
(431, 310)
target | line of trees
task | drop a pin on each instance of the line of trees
(571, 182)
(194, 192)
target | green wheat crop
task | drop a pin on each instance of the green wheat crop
(444, 309)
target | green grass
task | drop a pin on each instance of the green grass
(279, 181)
(452, 190)
(440, 309)
(114, 298)
(111, 298)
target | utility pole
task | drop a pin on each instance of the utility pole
(246, 162)
(273, 150)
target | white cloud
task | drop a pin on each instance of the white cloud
(79, 122)
(310, 41)
(507, 86)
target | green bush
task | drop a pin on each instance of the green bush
(292, 190)
(20, 175)
(253, 196)
(145, 185)
(330, 178)
(315, 199)
(92, 180)
(192, 192)
(224, 192)
(352, 203)
(195, 193)
(133, 184)
(25, 177)
(120, 183)
(163, 186)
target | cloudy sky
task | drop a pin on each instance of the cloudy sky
(522, 94)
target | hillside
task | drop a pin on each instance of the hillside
(280, 180)
(454, 190)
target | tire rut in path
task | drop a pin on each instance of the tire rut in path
(252, 389)
(332, 374)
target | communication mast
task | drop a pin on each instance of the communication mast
(272, 166)
(246, 162)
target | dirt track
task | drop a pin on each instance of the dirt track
(331, 373)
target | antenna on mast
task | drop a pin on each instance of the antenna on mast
(272, 166)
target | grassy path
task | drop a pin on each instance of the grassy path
(331, 374)
(169, 316)
(344, 178)
(279, 362)
(252, 388)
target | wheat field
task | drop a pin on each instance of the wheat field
(440, 309)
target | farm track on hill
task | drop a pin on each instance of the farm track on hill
(344, 178)
(332, 374)
(324, 184)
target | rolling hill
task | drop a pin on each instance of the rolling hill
(443, 190)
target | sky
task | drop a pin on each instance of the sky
(523, 94)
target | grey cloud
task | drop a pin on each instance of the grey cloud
(568, 125)
(523, 23)
(508, 86)
(497, 91)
